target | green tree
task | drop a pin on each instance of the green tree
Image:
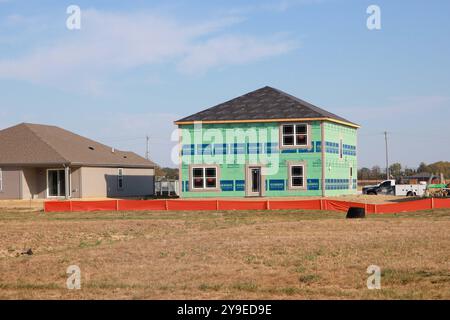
(440, 167)
(409, 171)
(375, 173)
(423, 168)
(364, 174)
(168, 173)
(396, 170)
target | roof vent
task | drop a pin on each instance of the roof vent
(91, 148)
(125, 157)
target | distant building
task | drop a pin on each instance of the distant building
(420, 177)
(311, 152)
(40, 161)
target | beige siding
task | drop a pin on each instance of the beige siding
(75, 180)
(102, 182)
(41, 183)
(29, 183)
(11, 183)
(34, 183)
(86, 182)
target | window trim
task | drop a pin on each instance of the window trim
(295, 146)
(350, 185)
(297, 164)
(120, 177)
(48, 196)
(1, 180)
(341, 149)
(204, 167)
(247, 175)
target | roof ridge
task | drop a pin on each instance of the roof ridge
(266, 103)
(306, 103)
(27, 125)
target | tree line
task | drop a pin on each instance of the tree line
(166, 173)
(397, 171)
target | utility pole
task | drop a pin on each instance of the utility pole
(147, 147)
(387, 156)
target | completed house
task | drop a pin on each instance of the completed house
(267, 143)
(39, 162)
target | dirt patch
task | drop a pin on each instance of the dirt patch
(22, 205)
(228, 255)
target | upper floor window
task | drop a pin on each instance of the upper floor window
(294, 135)
(341, 149)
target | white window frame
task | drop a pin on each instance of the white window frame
(1, 180)
(303, 176)
(294, 134)
(204, 168)
(351, 178)
(70, 183)
(120, 179)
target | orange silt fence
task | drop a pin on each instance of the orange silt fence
(296, 204)
(108, 205)
(408, 206)
(142, 205)
(441, 203)
(191, 205)
(57, 206)
(225, 205)
(335, 205)
(242, 205)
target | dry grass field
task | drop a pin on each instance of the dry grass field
(227, 255)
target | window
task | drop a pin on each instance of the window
(204, 178)
(341, 149)
(120, 179)
(297, 176)
(294, 135)
(385, 184)
(1, 180)
(351, 178)
(56, 183)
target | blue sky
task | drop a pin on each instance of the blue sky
(136, 66)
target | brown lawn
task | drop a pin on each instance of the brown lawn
(227, 255)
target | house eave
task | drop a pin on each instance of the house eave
(353, 125)
(75, 164)
(109, 165)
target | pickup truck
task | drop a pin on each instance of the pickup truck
(389, 187)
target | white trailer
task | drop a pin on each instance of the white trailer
(410, 189)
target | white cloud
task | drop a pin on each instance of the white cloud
(279, 6)
(284, 5)
(232, 50)
(113, 42)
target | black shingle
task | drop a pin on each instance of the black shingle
(262, 104)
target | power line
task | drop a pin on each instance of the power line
(387, 155)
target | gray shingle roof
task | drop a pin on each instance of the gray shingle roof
(34, 144)
(263, 104)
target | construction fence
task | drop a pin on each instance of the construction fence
(225, 205)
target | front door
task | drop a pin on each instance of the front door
(254, 181)
(56, 183)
